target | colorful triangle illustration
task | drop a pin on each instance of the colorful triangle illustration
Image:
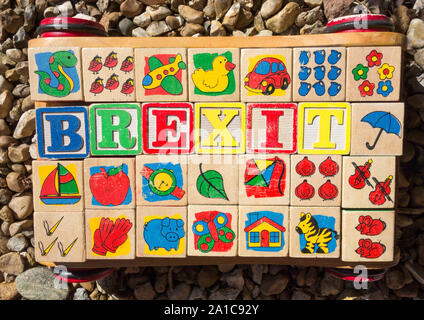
(263, 164)
(267, 173)
(258, 181)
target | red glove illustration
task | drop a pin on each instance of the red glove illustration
(100, 236)
(118, 235)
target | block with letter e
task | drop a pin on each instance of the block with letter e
(168, 128)
(62, 132)
(115, 129)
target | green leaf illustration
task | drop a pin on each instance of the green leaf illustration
(210, 184)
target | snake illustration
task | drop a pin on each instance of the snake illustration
(58, 61)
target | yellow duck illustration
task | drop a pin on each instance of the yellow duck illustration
(215, 80)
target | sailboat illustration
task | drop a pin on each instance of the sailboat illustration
(60, 187)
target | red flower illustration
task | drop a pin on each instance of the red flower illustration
(374, 58)
(366, 88)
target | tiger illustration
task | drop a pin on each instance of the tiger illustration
(314, 235)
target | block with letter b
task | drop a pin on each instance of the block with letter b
(62, 132)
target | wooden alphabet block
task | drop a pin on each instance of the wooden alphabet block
(263, 231)
(58, 186)
(324, 128)
(377, 128)
(319, 74)
(373, 73)
(266, 75)
(59, 236)
(213, 180)
(161, 180)
(214, 74)
(161, 232)
(55, 74)
(271, 128)
(369, 182)
(108, 74)
(220, 128)
(212, 231)
(110, 234)
(115, 129)
(168, 128)
(316, 180)
(62, 132)
(368, 235)
(161, 74)
(314, 232)
(264, 179)
(109, 183)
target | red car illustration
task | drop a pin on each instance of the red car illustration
(267, 75)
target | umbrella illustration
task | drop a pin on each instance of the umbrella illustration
(385, 121)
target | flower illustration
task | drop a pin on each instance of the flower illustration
(360, 72)
(374, 58)
(385, 88)
(386, 71)
(366, 88)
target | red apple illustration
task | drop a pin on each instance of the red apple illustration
(111, 187)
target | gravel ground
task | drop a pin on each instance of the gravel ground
(22, 278)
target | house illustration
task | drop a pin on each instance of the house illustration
(264, 231)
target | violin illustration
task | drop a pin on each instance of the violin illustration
(361, 175)
(381, 191)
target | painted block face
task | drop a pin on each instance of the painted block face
(161, 74)
(271, 128)
(161, 180)
(62, 132)
(161, 232)
(220, 128)
(168, 128)
(368, 235)
(108, 74)
(324, 128)
(59, 236)
(319, 74)
(266, 75)
(373, 73)
(264, 179)
(263, 231)
(115, 129)
(212, 231)
(377, 128)
(58, 186)
(55, 74)
(369, 182)
(110, 234)
(316, 180)
(213, 180)
(314, 232)
(214, 74)
(109, 183)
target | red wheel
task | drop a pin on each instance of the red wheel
(350, 275)
(78, 275)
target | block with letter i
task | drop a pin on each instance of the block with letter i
(168, 128)
(368, 235)
(59, 236)
(62, 132)
(109, 183)
(271, 128)
(212, 231)
(263, 231)
(161, 232)
(369, 182)
(115, 129)
(324, 128)
(220, 128)
(55, 74)
(314, 232)
(110, 234)
(58, 185)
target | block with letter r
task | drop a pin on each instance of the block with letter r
(62, 132)
(115, 129)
